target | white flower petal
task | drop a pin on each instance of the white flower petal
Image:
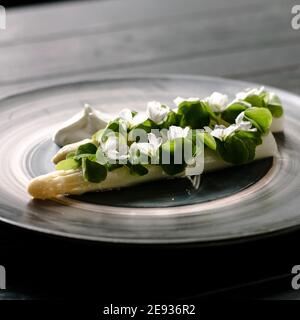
(115, 148)
(157, 112)
(249, 92)
(154, 141)
(139, 118)
(240, 118)
(207, 129)
(177, 132)
(217, 101)
(126, 114)
(218, 132)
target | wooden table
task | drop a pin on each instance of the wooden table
(48, 44)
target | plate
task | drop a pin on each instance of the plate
(238, 202)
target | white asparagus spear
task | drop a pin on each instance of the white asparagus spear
(61, 182)
(62, 153)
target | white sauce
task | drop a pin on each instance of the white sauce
(81, 126)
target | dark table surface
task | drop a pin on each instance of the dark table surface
(249, 40)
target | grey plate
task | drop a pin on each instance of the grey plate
(243, 201)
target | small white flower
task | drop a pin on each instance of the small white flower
(217, 101)
(115, 148)
(154, 141)
(249, 93)
(157, 112)
(221, 132)
(240, 118)
(138, 149)
(179, 100)
(244, 125)
(126, 115)
(175, 132)
(207, 129)
(139, 118)
(128, 120)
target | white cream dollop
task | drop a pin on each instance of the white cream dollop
(81, 126)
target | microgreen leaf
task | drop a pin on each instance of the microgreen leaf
(97, 137)
(239, 147)
(93, 171)
(261, 118)
(68, 164)
(172, 120)
(274, 104)
(234, 150)
(70, 155)
(256, 100)
(194, 114)
(173, 150)
(87, 148)
(232, 111)
(113, 166)
(147, 125)
(137, 169)
(100, 156)
(209, 141)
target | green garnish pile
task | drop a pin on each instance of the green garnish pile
(232, 130)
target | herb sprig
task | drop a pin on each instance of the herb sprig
(232, 130)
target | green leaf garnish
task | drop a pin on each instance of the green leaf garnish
(274, 104)
(100, 157)
(85, 155)
(174, 150)
(232, 111)
(194, 114)
(256, 100)
(93, 171)
(210, 141)
(68, 164)
(113, 166)
(267, 100)
(147, 125)
(173, 169)
(87, 148)
(235, 150)
(137, 169)
(97, 137)
(173, 119)
(261, 118)
(70, 155)
(114, 126)
(239, 147)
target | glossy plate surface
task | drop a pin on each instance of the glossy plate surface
(237, 202)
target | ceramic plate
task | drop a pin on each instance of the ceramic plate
(248, 200)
